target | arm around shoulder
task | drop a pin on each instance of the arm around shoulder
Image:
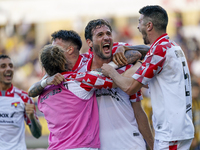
(127, 84)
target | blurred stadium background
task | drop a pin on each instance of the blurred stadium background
(26, 26)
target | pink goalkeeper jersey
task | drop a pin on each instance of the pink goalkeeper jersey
(71, 111)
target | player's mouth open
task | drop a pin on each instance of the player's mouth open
(106, 48)
(8, 76)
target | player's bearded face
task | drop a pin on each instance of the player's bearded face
(102, 42)
(145, 37)
(142, 28)
(6, 71)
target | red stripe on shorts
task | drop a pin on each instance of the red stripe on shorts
(173, 147)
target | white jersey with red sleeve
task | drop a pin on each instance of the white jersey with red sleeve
(12, 117)
(165, 69)
(116, 115)
(88, 82)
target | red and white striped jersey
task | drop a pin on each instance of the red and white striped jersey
(87, 83)
(12, 116)
(165, 69)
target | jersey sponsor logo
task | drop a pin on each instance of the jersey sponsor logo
(51, 93)
(12, 114)
(15, 104)
(4, 115)
(6, 118)
(109, 92)
(6, 121)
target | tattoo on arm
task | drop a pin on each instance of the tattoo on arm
(35, 90)
(35, 128)
(132, 56)
(143, 49)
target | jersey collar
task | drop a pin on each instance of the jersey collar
(9, 92)
(77, 63)
(160, 38)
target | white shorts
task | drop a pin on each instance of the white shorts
(172, 145)
(86, 148)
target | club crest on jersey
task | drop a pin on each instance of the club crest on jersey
(15, 104)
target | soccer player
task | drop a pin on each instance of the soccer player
(70, 108)
(165, 69)
(123, 122)
(15, 107)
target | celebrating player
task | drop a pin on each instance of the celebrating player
(165, 69)
(15, 107)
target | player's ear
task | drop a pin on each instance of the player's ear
(89, 43)
(149, 26)
(70, 50)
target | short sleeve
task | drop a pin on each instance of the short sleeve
(152, 65)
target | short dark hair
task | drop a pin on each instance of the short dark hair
(53, 59)
(93, 24)
(69, 36)
(3, 56)
(157, 15)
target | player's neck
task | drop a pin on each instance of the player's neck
(72, 61)
(154, 36)
(98, 62)
(4, 87)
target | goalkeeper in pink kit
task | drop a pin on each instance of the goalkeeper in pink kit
(70, 108)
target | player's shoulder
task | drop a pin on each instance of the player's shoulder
(86, 56)
(162, 47)
(22, 94)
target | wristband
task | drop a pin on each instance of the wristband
(44, 83)
(113, 65)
